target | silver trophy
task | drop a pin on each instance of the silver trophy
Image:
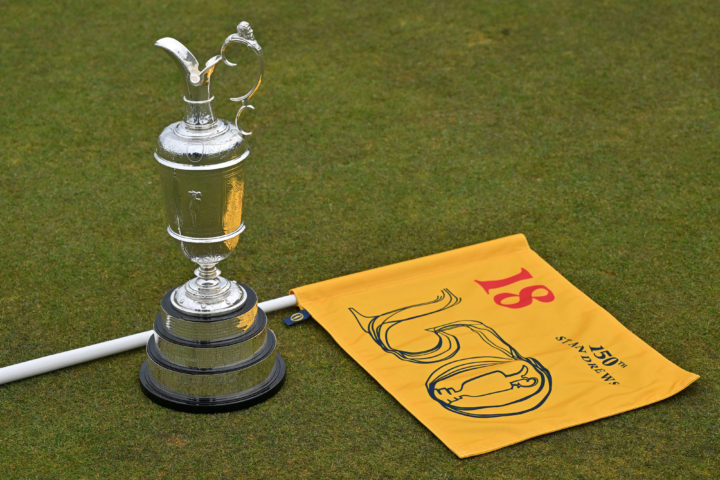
(211, 349)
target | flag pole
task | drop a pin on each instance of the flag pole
(60, 360)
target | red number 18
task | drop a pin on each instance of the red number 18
(524, 297)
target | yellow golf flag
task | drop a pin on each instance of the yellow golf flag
(488, 345)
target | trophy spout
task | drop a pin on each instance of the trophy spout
(198, 101)
(188, 65)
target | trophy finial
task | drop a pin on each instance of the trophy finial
(245, 30)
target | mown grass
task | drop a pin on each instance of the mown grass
(383, 132)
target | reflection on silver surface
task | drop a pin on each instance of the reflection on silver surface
(210, 384)
(209, 330)
(209, 357)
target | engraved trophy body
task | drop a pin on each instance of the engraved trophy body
(211, 349)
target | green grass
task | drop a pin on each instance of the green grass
(384, 131)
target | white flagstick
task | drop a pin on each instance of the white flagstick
(104, 349)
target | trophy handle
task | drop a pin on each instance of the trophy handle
(244, 36)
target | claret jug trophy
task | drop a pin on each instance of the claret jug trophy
(211, 349)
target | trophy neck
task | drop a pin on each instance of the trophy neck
(198, 100)
(199, 114)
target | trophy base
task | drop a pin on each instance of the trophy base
(225, 403)
(211, 364)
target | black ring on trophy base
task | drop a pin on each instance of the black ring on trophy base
(186, 403)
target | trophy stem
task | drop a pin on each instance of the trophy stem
(207, 272)
(210, 284)
(208, 293)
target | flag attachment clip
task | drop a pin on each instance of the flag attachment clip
(296, 318)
